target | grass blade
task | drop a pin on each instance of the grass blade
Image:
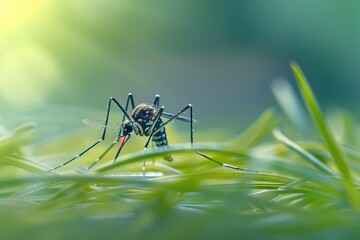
(334, 148)
(317, 116)
(257, 131)
(302, 152)
(290, 104)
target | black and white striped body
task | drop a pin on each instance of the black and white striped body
(144, 116)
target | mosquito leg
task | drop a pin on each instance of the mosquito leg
(151, 133)
(157, 100)
(102, 155)
(117, 154)
(77, 156)
(112, 99)
(174, 117)
(156, 103)
(224, 164)
(191, 123)
(109, 148)
(129, 100)
(144, 163)
(121, 146)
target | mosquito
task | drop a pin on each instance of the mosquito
(143, 120)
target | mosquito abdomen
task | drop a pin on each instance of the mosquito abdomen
(160, 140)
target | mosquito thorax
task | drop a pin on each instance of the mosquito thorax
(143, 116)
(143, 112)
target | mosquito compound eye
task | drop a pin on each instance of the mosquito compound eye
(127, 128)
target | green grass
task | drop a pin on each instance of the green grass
(304, 185)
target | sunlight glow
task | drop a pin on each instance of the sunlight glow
(27, 74)
(27, 70)
(15, 15)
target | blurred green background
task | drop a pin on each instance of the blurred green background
(60, 61)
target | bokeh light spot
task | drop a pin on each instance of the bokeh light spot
(28, 75)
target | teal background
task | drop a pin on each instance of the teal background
(61, 60)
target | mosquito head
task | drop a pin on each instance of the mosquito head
(127, 127)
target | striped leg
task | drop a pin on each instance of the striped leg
(124, 140)
(157, 100)
(191, 122)
(151, 133)
(112, 99)
(129, 100)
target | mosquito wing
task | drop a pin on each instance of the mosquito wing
(100, 125)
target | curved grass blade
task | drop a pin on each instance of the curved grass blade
(17, 139)
(25, 164)
(333, 147)
(174, 149)
(302, 152)
(257, 131)
(317, 116)
(342, 121)
(290, 103)
(11, 148)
